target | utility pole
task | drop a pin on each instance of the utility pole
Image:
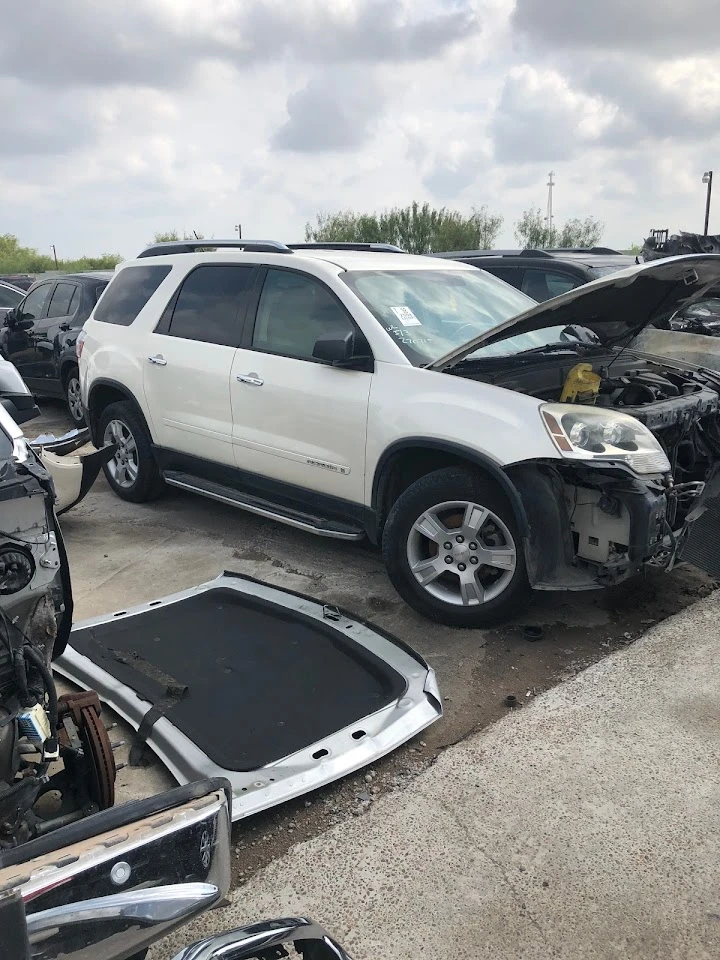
(238, 227)
(707, 178)
(549, 215)
(56, 263)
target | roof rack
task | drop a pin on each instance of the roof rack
(375, 247)
(601, 250)
(190, 246)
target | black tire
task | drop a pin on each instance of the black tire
(439, 487)
(71, 391)
(148, 484)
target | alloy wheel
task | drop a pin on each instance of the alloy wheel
(461, 553)
(124, 466)
(74, 399)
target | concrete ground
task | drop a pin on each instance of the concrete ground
(585, 826)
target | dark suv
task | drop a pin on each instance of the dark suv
(543, 274)
(40, 332)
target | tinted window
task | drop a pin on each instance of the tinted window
(8, 297)
(64, 301)
(294, 310)
(35, 301)
(128, 293)
(543, 285)
(206, 309)
(511, 275)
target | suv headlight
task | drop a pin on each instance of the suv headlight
(590, 433)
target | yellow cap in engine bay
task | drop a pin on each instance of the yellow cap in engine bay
(582, 385)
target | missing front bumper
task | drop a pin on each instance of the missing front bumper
(615, 527)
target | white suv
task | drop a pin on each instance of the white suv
(489, 444)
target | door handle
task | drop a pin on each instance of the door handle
(251, 378)
(158, 361)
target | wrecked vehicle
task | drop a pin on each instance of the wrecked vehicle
(638, 435)
(489, 444)
(277, 692)
(659, 245)
(37, 728)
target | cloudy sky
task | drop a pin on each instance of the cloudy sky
(126, 117)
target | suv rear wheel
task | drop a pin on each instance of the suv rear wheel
(452, 549)
(132, 473)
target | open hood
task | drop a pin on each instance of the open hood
(616, 307)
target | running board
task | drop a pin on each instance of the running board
(264, 508)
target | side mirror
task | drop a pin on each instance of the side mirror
(338, 349)
(24, 324)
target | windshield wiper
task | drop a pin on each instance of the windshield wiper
(575, 347)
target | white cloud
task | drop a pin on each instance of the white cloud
(120, 120)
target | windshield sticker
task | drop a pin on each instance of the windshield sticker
(406, 317)
(404, 337)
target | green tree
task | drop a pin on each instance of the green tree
(169, 235)
(418, 228)
(15, 258)
(532, 230)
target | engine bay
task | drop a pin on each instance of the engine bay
(679, 406)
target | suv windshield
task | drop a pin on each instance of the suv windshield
(428, 313)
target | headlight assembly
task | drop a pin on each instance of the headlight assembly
(588, 433)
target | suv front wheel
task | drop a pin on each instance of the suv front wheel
(452, 549)
(132, 473)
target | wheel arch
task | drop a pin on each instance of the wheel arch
(66, 365)
(405, 461)
(102, 393)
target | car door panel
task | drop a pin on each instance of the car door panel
(63, 307)
(186, 377)
(294, 419)
(20, 345)
(305, 424)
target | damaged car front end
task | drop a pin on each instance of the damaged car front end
(635, 437)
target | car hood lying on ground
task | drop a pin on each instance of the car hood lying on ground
(615, 308)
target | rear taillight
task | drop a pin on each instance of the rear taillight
(79, 344)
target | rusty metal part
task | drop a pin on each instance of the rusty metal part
(100, 754)
(85, 710)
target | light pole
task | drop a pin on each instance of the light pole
(707, 178)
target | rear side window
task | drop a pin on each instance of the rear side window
(64, 301)
(543, 285)
(511, 275)
(128, 293)
(206, 307)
